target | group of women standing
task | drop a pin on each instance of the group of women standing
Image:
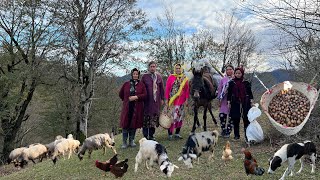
(142, 101)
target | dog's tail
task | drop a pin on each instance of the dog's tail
(142, 140)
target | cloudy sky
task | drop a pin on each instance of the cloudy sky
(193, 15)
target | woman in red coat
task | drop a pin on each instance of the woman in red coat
(132, 94)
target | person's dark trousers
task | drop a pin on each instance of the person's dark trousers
(145, 132)
(236, 123)
(245, 124)
(149, 132)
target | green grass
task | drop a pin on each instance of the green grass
(85, 169)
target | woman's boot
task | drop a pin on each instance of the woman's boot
(124, 139)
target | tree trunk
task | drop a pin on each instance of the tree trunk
(12, 124)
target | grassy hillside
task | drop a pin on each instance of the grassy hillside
(85, 169)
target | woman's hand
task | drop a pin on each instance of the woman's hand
(133, 98)
(229, 105)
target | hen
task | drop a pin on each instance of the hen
(105, 166)
(120, 168)
(227, 153)
(250, 164)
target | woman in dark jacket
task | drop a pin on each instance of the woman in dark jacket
(132, 93)
(240, 100)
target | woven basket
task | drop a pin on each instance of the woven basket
(310, 92)
(165, 119)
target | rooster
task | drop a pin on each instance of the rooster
(105, 166)
(226, 154)
(120, 168)
(250, 164)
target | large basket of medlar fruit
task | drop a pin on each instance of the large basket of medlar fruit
(288, 105)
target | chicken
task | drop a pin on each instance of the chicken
(250, 164)
(120, 168)
(227, 153)
(105, 166)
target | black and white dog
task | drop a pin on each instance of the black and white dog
(293, 152)
(151, 152)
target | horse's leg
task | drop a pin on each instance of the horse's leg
(198, 122)
(195, 118)
(210, 111)
(205, 118)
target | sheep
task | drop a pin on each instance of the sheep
(96, 142)
(34, 151)
(73, 146)
(14, 154)
(60, 149)
(52, 145)
(198, 143)
(152, 151)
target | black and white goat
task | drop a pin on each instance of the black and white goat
(152, 151)
(198, 143)
(293, 152)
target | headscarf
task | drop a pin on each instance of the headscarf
(175, 73)
(134, 82)
(177, 91)
(239, 90)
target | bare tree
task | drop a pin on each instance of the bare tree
(203, 45)
(27, 38)
(168, 43)
(298, 21)
(95, 32)
(239, 42)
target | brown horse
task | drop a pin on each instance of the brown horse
(203, 91)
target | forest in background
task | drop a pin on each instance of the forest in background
(58, 60)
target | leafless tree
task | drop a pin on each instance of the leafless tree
(168, 43)
(298, 21)
(27, 40)
(96, 34)
(239, 42)
(204, 45)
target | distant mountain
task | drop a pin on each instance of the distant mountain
(270, 79)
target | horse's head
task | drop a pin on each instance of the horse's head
(197, 83)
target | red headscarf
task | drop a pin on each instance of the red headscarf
(239, 90)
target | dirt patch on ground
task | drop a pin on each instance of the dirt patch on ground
(8, 169)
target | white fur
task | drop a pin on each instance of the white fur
(147, 152)
(14, 154)
(61, 148)
(97, 141)
(33, 152)
(282, 153)
(53, 144)
(201, 140)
